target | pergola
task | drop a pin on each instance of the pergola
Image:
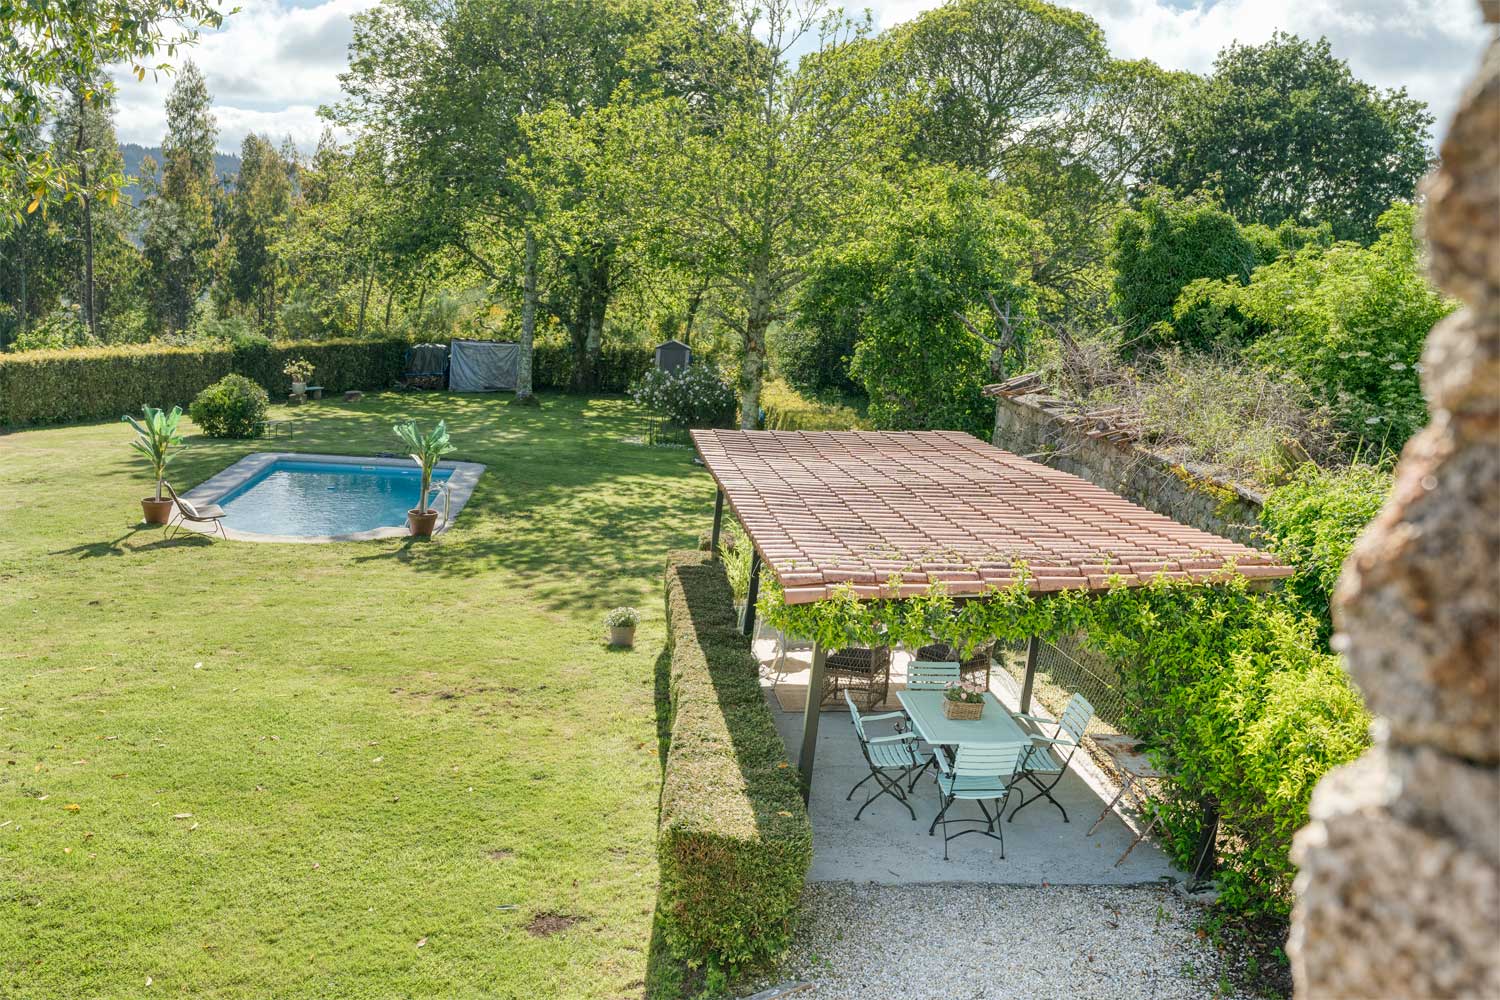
(858, 508)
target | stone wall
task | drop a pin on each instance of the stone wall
(1399, 889)
(1184, 493)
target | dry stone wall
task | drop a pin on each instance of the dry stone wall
(1399, 888)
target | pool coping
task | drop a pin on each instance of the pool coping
(460, 487)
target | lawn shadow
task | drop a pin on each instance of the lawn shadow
(94, 550)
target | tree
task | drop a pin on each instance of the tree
(1162, 246)
(47, 46)
(933, 268)
(742, 183)
(179, 233)
(993, 77)
(1284, 131)
(84, 143)
(444, 89)
(258, 213)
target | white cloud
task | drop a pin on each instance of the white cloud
(273, 63)
(268, 69)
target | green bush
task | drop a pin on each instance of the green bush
(1162, 246)
(1238, 690)
(735, 842)
(1312, 522)
(695, 396)
(53, 387)
(233, 407)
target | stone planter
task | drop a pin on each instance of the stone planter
(622, 636)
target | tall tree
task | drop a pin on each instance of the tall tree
(742, 184)
(179, 231)
(992, 78)
(258, 213)
(83, 138)
(1285, 131)
(444, 88)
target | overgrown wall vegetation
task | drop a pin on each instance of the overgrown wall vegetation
(735, 842)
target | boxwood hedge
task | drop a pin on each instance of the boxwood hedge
(734, 842)
(54, 387)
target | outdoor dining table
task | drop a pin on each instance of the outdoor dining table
(995, 725)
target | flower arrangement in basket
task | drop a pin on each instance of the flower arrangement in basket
(963, 700)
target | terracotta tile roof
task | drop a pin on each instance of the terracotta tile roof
(857, 507)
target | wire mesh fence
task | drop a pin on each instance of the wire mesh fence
(1069, 666)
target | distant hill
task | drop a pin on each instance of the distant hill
(225, 164)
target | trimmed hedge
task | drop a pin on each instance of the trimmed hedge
(54, 387)
(94, 383)
(734, 841)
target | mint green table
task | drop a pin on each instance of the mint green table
(994, 727)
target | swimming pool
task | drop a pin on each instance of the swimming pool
(284, 496)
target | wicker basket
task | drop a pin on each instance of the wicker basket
(964, 711)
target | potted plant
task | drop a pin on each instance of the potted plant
(621, 623)
(299, 370)
(964, 701)
(426, 450)
(156, 438)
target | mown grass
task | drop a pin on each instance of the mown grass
(351, 770)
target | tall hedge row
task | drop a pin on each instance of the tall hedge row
(734, 842)
(52, 387)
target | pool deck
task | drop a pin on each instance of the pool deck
(212, 490)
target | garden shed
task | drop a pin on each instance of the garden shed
(672, 355)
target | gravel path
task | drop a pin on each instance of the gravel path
(998, 942)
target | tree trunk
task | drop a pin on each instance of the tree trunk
(753, 361)
(598, 305)
(694, 301)
(88, 228)
(390, 295)
(364, 300)
(528, 321)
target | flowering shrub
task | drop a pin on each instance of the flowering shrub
(622, 618)
(695, 396)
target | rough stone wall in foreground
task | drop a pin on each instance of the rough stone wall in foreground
(1399, 889)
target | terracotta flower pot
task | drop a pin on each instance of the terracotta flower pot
(156, 511)
(420, 523)
(622, 635)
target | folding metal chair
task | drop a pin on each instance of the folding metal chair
(979, 773)
(1043, 768)
(891, 758)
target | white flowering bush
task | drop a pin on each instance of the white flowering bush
(695, 396)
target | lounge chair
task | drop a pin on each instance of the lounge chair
(207, 514)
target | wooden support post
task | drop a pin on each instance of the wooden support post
(713, 545)
(810, 715)
(1033, 647)
(752, 594)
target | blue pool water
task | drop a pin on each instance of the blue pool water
(317, 498)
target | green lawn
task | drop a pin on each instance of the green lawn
(372, 769)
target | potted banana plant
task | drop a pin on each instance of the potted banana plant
(156, 440)
(426, 450)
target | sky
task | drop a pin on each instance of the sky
(276, 61)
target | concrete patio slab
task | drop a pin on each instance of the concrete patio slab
(887, 846)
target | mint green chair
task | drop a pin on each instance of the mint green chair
(979, 773)
(926, 675)
(891, 758)
(1049, 757)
